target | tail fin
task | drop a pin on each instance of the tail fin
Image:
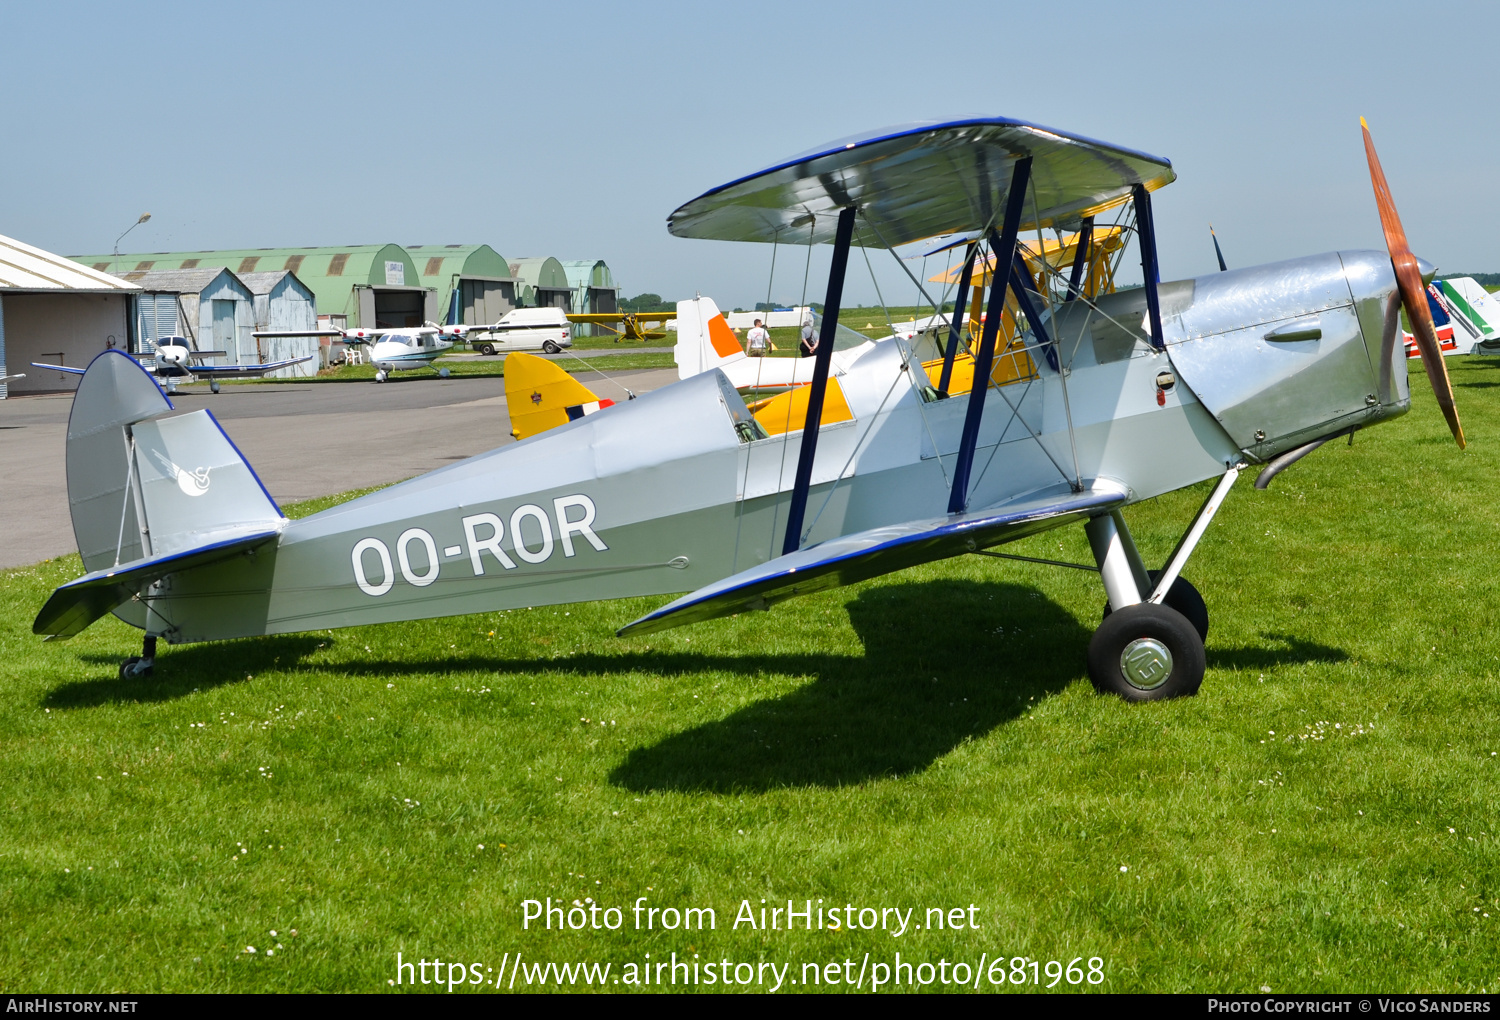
(147, 488)
(541, 396)
(704, 339)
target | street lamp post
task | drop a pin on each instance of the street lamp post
(144, 217)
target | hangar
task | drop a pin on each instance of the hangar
(594, 290)
(55, 310)
(215, 311)
(283, 302)
(372, 285)
(542, 283)
(472, 282)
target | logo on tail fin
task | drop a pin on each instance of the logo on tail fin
(192, 483)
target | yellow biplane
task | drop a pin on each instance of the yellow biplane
(626, 325)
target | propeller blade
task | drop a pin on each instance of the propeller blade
(1222, 267)
(1413, 293)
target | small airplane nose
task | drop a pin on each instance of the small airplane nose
(1426, 269)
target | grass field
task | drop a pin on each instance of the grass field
(1321, 817)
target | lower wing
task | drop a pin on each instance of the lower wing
(867, 554)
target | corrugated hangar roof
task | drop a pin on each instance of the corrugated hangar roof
(26, 268)
(175, 281)
(330, 273)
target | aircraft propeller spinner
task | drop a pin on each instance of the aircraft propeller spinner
(1413, 293)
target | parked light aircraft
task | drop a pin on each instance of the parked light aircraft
(626, 325)
(1466, 316)
(1153, 389)
(175, 361)
(393, 348)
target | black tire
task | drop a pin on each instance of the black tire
(1139, 678)
(1184, 598)
(487, 350)
(127, 671)
(550, 347)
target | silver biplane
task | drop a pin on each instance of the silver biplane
(1099, 402)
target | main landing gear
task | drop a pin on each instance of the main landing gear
(140, 665)
(213, 386)
(1149, 646)
(381, 375)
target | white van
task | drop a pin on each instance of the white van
(524, 329)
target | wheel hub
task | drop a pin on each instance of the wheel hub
(1146, 663)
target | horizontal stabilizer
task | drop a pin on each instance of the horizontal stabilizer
(79, 603)
(867, 554)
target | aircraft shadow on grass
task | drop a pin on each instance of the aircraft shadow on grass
(184, 670)
(944, 661)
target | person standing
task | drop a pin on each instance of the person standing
(809, 345)
(757, 341)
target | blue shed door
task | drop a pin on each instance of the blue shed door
(224, 338)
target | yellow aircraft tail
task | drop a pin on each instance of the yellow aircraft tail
(541, 396)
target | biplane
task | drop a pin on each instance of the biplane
(1106, 401)
(627, 325)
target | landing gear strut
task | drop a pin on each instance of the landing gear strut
(140, 665)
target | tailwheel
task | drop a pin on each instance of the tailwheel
(1184, 598)
(1146, 652)
(140, 665)
(135, 666)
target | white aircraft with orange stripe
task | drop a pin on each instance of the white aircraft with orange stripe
(705, 341)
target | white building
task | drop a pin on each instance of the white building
(55, 310)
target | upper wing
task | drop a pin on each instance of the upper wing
(867, 554)
(920, 181)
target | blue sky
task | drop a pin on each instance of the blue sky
(574, 129)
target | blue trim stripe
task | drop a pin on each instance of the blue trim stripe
(246, 461)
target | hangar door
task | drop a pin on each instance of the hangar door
(399, 308)
(485, 301)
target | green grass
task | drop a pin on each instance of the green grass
(928, 739)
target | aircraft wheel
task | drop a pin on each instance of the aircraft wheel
(380, 376)
(444, 373)
(213, 386)
(1184, 598)
(1146, 653)
(132, 667)
(550, 347)
(488, 350)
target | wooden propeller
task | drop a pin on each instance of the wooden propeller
(1413, 293)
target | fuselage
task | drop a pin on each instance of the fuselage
(665, 493)
(397, 352)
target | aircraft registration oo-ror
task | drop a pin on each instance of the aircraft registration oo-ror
(1091, 401)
